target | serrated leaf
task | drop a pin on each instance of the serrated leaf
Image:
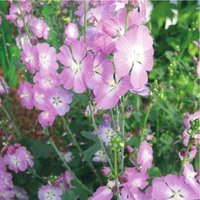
(91, 151)
(89, 136)
(18, 64)
(69, 195)
(40, 149)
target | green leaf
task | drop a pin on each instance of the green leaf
(91, 151)
(40, 149)
(69, 195)
(89, 136)
(18, 64)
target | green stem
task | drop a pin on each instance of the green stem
(127, 16)
(36, 175)
(117, 113)
(112, 116)
(79, 148)
(116, 172)
(36, 121)
(145, 121)
(184, 160)
(97, 132)
(65, 164)
(157, 123)
(21, 117)
(9, 118)
(4, 44)
(122, 126)
(23, 19)
(85, 22)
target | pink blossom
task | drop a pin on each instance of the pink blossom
(102, 192)
(48, 116)
(60, 101)
(173, 188)
(16, 161)
(145, 156)
(143, 91)
(105, 171)
(77, 69)
(111, 89)
(198, 68)
(134, 52)
(130, 149)
(24, 39)
(11, 150)
(150, 137)
(30, 57)
(47, 59)
(72, 31)
(26, 94)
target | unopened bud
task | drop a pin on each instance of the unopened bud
(116, 125)
(146, 107)
(129, 110)
(33, 39)
(148, 125)
(183, 152)
(120, 102)
(92, 96)
(139, 131)
(129, 135)
(115, 190)
(37, 4)
(106, 117)
(91, 20)
(130, 149)
(123, 179)
(105, 171)
(11, 150)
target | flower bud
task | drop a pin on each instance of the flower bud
(130, 149)
(11, 150)
(146, 107)
(92, 96)
(148, 125)
(116, 125)
(183, 152)
(139, 131)
(17, 145)
(120, 102)
(123, 179)
(91, 20)
(105, 171)
(115, 190)
(33, 39)
(129, 135)
(106, 117)
(129, 110)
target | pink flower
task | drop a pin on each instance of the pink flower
(198, 68)
(48, 116)
(100, 157)
(174, 187)
(26, 94)
(130, 149)
(48, 192)
(77, 69)
(143, 91)
(134, 52)
(150, 137)
(72, 31)
(30, 57)
(111, 89)
(145, 156)
(102, 192)
(47, 59)
(60, 101)
(11, 150)
(16, 161)
(189, 174)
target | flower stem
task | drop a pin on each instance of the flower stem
(145, 121)
(9, 118)
(79, 148)
(97, 132)
(116, 172)
(24, 21)
(184, 160)
(65, 164)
